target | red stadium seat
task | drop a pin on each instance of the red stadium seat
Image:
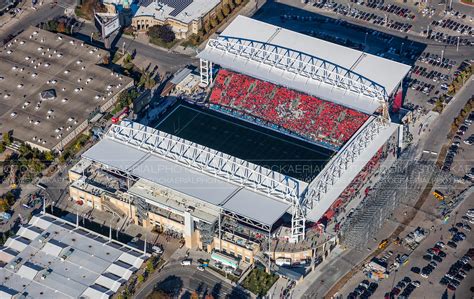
(305, 115)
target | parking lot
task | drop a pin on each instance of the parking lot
(460, 155)
(431, 261)
(400, 32)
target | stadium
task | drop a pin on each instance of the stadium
(286, 145)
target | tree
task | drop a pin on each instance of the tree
(220, 16)
(226, 10)
(49, 156)
(7, 138)
(147, 80)
(61, 27)
(9, 197)
(140, 278)
(4, 206)
(165, 33)
(2, 147)
(149, 265)
(214, 23)
(238, 2)
(158, 294)
(52, 25)
(194, 295)
(207, 27)
(89, 6)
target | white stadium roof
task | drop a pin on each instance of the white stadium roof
(228, 51)
(200, 185)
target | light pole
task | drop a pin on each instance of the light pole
(457, 45)
(442, 55)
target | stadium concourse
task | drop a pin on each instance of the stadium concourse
(278, 98)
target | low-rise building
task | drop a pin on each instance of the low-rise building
(52, 258)
(184, 17)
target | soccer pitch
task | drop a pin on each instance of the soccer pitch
(264, 147)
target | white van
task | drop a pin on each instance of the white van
(157, 249)
(186, 262)
(283, 261)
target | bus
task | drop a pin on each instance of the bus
(383, 244)
(120, 115)
(438, 195)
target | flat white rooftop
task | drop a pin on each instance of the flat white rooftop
(386, 73)
(185, 180)
(63, 261)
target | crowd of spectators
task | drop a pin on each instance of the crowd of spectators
(309, 117)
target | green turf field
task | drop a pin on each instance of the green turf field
(264, 147)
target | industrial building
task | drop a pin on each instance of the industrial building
(271, 165)
(52, 258)
(52, 86)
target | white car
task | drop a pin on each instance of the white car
(186, 262)
(200, 268)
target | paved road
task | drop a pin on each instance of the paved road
(440, 128)
(173, 277)
(31, 17)
(166, 60)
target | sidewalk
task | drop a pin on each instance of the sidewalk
(315, 279)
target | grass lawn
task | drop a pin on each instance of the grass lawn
(161, 43)
(259, 282)
(223, 273)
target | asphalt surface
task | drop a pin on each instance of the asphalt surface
(430, 287)
(174, 277)
(33, 17)
(166, 61)
(437, 135)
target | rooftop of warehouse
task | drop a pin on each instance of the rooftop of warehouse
(39, 61)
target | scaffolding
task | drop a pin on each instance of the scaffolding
(402, 184)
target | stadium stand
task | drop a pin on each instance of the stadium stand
(309, 117)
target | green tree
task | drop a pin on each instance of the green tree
(220, 16)
(9, 197)
(4, 206)
(147, 80)
(7, 138)
(49, 156)
(140, 278)
(214, 22)
(226, 9)
(165, 33)
(2, 147)
(207, 27)
(149, 265)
